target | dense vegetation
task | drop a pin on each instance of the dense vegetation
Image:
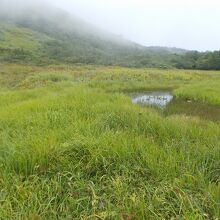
(73, 146)
(196, 60)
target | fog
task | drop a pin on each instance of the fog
(185, 24)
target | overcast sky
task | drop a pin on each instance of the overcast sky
(190, 24)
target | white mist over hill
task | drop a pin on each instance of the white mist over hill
(184, 23)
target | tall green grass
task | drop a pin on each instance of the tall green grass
(206, 91)
(73, 150)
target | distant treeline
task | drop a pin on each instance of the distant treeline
(58, 53)
(196, 60)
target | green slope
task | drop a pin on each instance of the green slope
(49, 35)
(21, 44)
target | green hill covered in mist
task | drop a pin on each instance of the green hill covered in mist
(49, 35)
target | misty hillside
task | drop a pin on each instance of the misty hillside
(51, 35)
(46, 35)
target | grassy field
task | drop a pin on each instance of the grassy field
(73, 146)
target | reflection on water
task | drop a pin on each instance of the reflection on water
(168, 105)
(158, 98)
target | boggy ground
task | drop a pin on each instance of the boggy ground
(73, 146)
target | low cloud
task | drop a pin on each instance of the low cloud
(184, 23)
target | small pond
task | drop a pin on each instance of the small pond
(167, 105)
(157, 98)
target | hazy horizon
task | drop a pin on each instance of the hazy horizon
(181, 24)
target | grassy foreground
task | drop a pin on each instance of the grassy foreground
(73, 146)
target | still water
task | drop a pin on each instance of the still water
(158, 98)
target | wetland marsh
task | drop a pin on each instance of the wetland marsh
(72, 141)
